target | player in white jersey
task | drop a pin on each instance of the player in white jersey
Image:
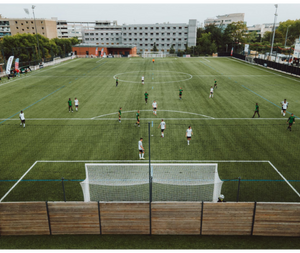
(211, 92)
(141, 149)
(76, 102)
(284, 106)
(154, 105)
(162, 126)
(188, 134)
(143, 79)
(22, 118)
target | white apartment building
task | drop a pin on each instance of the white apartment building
(143, 36)
(261, 29)
(224, 20)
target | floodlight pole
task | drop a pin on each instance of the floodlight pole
(276, 6)
(36, 33)
(287, 30)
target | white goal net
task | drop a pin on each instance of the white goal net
(153, 55)
(170, 182)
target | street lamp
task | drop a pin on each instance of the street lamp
(286, 35)
(36, 33)
(276, 6)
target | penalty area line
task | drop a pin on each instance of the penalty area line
(18, 181)
(284, 178)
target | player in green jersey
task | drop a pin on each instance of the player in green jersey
(146, 96)
(215, 85)
(120, 114)
(138, 119)
(180, 92)
(70, 104)
(117, 81)
(291, 121)
(256, 110)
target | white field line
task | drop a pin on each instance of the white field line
(100, 60)
(284, 179)
(95, 118)
(205, 59)
(261, 68)
(192, 113)
(153, 161)
(18, 181)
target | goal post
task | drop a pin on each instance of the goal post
(170, 182)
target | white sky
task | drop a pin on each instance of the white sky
(132, 12)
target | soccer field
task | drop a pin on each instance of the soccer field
(57, 143)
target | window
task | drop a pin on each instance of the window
(146, 28)
(92, 39)
(112, 34)
(91, 34)
(135, 34)
(162, 45)
(179, 33)
(107, 38)
(117, 38)
(135, 28)
(146, 39)
(124, 28)
(141, 34)
(125, 39)
(96, 34)
(129, 28)
(141, 39)
(157, 28)
(162, 34)
(21, 23)
(151, 45)
(162, 39)
(180, 27)
(157, 34)
(151, 34)
(31, 22)
(146, 45)
(174, 39)
(168, 34)
(174, 34)
(135, 39)
(26, 22)
(101, 33)
(112, 38)
(168, 28)
(157, 39)
(117, 34)
(151, 28)
(129, 34)
(106, 34)
(168, 45)
(174, 45)
(17, 27)
(163, 28)
(22, 29)
(86, 34)
(174, 28)
(141, 28)
(87, 39)
(16, 22)
(179, 39)
(146, 34)
(97, 39)
(179, 45)
(130, 39)
(141, 45)
(168, 39)
(32, 27)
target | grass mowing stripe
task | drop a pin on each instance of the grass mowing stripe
(32, 104)
(18, 181)
(266, 99)
(284, 179)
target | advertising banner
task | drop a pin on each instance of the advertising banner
(9, 63)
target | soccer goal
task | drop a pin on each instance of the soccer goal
(162, 182)
(153, 55)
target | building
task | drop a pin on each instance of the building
(13, 26)
(70, 29)
(224, 20)
(94, 50)
(261, 29)
(142, 36)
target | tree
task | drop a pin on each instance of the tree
(172, 50)
(237, 31)
(154, 48)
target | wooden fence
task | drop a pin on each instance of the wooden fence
(159, 218)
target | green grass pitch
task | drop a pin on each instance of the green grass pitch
(261, 150)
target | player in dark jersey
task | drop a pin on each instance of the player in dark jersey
(180, 92)
(70, 105)
(256, 110)
(215, 85)
(291, 121)
(138, 119)
(117, 81)
(146, 96)
(120, 114)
